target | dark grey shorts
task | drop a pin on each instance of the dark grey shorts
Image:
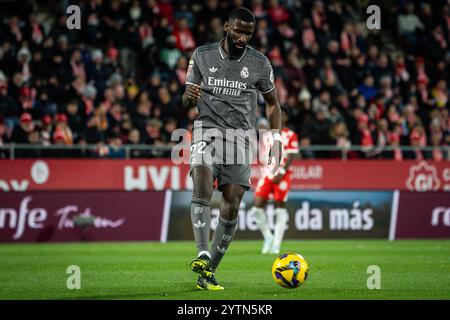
(235, 170)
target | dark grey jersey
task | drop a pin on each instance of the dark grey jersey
(229, 86)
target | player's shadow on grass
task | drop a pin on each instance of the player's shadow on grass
(185, 289)
(130, 296)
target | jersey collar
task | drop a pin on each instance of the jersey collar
(224, 55)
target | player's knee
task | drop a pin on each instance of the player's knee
(280, 204)
(202, 194)
(260, 216)
(231, 206)
(281, 215)
(260, 202)
(201, 200)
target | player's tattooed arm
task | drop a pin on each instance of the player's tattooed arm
(191, 96)
(273, 113)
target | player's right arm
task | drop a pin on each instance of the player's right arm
(193, 79)
(191, 95)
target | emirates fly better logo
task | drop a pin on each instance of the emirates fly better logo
(423, 177)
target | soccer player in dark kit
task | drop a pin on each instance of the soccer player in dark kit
(222, 81)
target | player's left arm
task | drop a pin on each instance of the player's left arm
(273, 113)
(266, 86)
(290, 151)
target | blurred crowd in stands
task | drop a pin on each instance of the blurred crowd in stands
(119, 79)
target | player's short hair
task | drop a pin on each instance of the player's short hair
(242, 14)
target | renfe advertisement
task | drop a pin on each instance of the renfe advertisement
(423, 215)
(80, 216)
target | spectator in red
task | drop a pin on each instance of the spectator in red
(348, 37)
(308, 35)
(27, 98)
(401, 73)
(394, 140)
(257, 7)
(277, 62)
(59, 137)
(185, 39)
(277, 13)
(34, 30)
(46, 130)
(318, 14)
(417, 140)
(364, 137)
(165, 9)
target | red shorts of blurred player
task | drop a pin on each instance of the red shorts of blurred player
(265, 188)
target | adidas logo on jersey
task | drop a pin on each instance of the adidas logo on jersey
(212, 69)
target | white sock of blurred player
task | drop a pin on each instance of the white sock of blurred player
(261, 222)
(282, 217)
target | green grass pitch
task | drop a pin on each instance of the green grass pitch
(146, 270)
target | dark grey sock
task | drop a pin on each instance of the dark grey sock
(201, 222)
(222, 237)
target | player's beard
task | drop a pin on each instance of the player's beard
(234, 51)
